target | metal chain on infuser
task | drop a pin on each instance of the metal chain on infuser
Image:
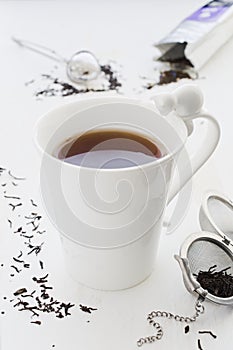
(199, 309)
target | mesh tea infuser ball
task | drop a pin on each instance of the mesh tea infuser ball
(83, 66)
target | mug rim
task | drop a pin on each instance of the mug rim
(112, 99)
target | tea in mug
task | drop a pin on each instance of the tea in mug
(110, 149)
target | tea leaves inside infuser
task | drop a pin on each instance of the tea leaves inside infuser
(212, 266)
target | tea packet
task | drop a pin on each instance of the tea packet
(195, 40)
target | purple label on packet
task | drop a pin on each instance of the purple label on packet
(210, 12)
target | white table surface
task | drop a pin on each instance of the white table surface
(123, 31)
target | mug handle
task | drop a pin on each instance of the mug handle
(201, 155)
(187, 101)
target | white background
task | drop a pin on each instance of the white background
(123, 31)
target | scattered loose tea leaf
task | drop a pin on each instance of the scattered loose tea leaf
(29, 217)
(11, 197)
(29, 295)
(41, 232)
(15, 206)
(44, 287)
(18, 230)
(34, 204)
(35, 249)
(114, 84)
(26, 236)
(36, 322)
(17, 260)
(20, 254)
(41, 264)
(20, 291)
(35, 227)
(16, 268)
(199, 344)
(67, 307)
(15, 177)
(208, 332)
(41, 279)
(87, 308)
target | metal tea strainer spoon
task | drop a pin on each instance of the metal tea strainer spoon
(83, 66)
(206, 262)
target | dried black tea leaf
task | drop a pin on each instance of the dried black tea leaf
(16, 269)
(32, 202)
(20, 254)
(36, 322)
(208, 332)
(20, 291)
(35, 249)
(199, 344)
(41, 279)
(15, 177)
(217, 283)
(41, 232)
(11, 197)
(15, 205)
(17, 260)
(87, 309)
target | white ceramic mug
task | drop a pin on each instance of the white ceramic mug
(110, 219)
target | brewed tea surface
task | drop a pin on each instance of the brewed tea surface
(109, 149)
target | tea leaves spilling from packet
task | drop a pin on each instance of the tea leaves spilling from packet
(206, 262)
(194, 41)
